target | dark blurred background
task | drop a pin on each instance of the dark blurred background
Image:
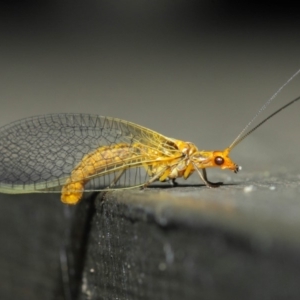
(194, 70)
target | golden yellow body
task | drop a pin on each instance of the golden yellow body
(161, 164)
(67, 152)
(72, 153)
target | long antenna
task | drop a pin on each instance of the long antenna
(263, 121)
(240, 137)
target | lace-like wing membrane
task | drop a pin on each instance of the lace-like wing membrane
(39, 153)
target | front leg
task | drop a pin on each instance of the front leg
(208, 183)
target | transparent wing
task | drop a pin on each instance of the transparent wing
(39, 153)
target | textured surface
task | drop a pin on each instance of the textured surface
(192, 70)
(190, 242)
(162, 243)
(42, 247)
(31, 231)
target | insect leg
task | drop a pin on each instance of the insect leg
(148, 169)
(116, 179)
(154, 178)
(207, 182)
(203, 176)
(173, 182)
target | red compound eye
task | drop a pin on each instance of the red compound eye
(219, 160)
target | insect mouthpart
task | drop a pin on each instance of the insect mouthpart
(238, 168)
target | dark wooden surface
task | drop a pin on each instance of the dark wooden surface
(194, 70)
(184, 244)
(191, 242)
(31, 231)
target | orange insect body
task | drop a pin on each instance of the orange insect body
(74, 153)
(159, 165)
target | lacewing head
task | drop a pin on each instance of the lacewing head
(210, 159)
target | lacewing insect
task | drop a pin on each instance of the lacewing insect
(74, 153)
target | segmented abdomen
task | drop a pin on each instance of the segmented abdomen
(46, 153)
(103, 160)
